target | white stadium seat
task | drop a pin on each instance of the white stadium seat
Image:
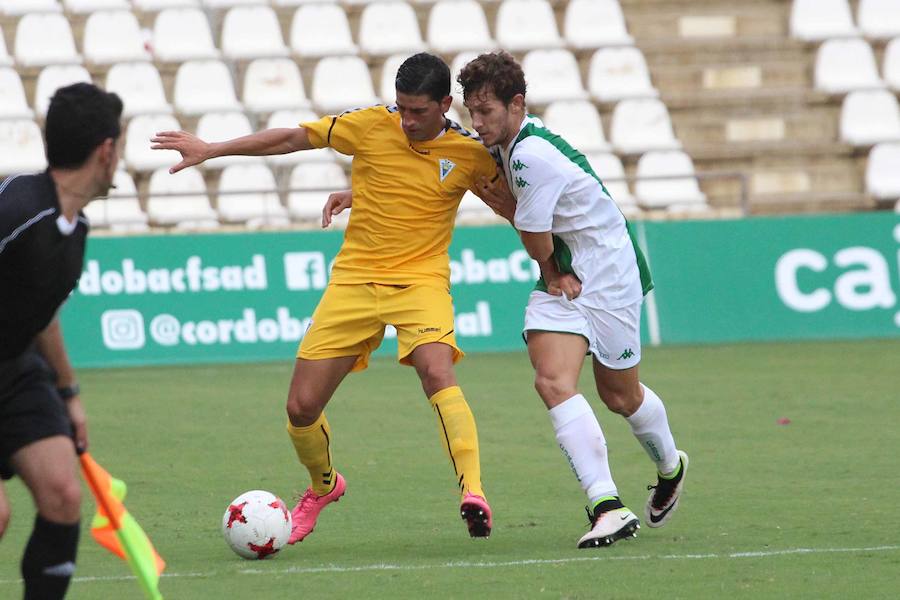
(272, 84)
(619, 73)
(203, 86)
(526, 24)
(181, 34)
(21, 147)
(892, 64)
(310, 185)
(879, 19)
(22, 7)
(5, 58)
(679, 191)
(642, 125)
(845, 65)
(870, 117)
(220, 4)
(595, 23)
(321, 30)
(151, 6)
(180, 199)
(12, 96)
(578, 122)
(113, 36)
(341, 83)
(90, 6)
(293, 118)
(218, 127)
(458, 25)
(252, 32)
(817, 20)
(389, 68)
(138, 154)
(388, 28)
(122, 210)
(248, 194)
(45, 39)
(883, 172)
(140, 87)
(51, 79)
(552, 75)
(608, 167)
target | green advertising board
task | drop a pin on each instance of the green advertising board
(234, 297)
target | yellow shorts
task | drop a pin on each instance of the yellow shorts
(350, 321)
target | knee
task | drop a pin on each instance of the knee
(436, 377)
(621, 402)
(61, 501)
(552, 389)
(301, 409)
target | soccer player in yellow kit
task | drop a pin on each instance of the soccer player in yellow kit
(411, 167)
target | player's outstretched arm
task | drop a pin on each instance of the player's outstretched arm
(262, 143)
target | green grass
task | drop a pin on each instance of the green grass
(188, 440)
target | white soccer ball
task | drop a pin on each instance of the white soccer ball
(256, 524)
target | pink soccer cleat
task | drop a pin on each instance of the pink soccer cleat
(304, 515)
(476, 513)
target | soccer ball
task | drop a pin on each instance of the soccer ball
(256, 524)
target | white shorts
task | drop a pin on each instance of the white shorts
(613, 336)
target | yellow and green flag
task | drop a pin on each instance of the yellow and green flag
(117, 531)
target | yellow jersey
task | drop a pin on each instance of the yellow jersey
(405, 195)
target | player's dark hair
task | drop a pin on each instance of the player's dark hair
(496, 72)
(81, 116)
(424, 74)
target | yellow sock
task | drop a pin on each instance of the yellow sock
(459, 437)
(313, 446)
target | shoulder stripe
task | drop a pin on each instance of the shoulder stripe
(359, 108)
(462, 130)
(6, 182)
(18, 230)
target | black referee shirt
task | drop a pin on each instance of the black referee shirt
(39, 264)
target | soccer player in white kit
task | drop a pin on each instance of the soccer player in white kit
(588, 300)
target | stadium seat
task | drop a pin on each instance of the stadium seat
(525, 25)
(113, 36)
(180, 200)
(152, 6)
(679, 191)
(387, 89)
(252, 32)
(122, 210)
(578, 122)
(879, 19)
(221, 126)
(552, 75)
(12, 96)
(21, 147)
(472, 211)
(220, 4)
(817, 20)
(608, 167)
(310, 185)
(321, 30)
(870, 117)
(892, 64)
(204, 86)
(458, 25)
(90, 6)
(21, 7)
(272, 84)
(51, 79)
(846, 65)
(459, 61)
(642, 125)
(619, 73)
(45, 39)
(181, 34)
(248, 194)
(293, 118)
(5, 58)
(341, 83)
(138, 154)
(388, 28)
(595, 23)
(883, 172)
(140, 87)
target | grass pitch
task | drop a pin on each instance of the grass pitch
(799, 510)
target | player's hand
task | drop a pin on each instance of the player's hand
(79, 422)
(193, 150)
(566, 285)
(497, 195)
(336, 204)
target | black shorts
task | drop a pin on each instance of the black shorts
(30, 407)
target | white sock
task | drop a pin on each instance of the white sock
(581, 440)
(650, 426)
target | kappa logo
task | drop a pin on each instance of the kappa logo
(626, 355)
(446, 165)
(521, 182)
(518, 165)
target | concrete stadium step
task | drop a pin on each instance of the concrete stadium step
(705, 19)
(725, 125)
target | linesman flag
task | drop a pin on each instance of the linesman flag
(117, 531)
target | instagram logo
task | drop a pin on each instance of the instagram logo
(122, 329)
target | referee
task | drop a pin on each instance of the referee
(42, 241)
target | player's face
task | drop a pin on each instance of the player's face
(421, 117)
(490, 118)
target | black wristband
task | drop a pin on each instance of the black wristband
(67, 393)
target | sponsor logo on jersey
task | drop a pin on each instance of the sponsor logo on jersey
(518, 165)
(521, 182)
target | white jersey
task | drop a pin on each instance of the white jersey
(557, 191)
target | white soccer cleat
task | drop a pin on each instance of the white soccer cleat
(664, 496)
(609, 524)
